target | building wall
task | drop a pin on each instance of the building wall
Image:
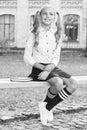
(22, 22)
(85, 23)
(22, 10)
(8, 7)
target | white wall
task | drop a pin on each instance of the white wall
(22, 22)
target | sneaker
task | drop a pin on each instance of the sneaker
(43, 113)
(50, 116)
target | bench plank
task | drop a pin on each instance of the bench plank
(7, 83)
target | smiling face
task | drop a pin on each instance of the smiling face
(47, 16)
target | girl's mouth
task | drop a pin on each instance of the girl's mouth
(47, 20)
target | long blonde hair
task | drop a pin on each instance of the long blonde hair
(36, 25)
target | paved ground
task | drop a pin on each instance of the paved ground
(69, 115)
(23, 103)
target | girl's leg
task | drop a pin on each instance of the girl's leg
(45, 114)
(51, 93)
(57, 93)
(71, 86)
(56, 84)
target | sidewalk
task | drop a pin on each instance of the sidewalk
(22, 103)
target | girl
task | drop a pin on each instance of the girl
(42, 52)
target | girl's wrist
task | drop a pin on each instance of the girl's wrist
(39, 66)
(49, 67)
(46, 71)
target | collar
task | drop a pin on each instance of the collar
(41, 29)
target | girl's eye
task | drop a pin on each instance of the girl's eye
(51, 14)
(44, 13)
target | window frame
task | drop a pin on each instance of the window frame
(72, 25)
(8, 24)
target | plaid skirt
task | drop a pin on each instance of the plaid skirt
(56, 72)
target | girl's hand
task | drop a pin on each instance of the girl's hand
(49, 67)
(43, 75)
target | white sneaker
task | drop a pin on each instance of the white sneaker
(50, 116)
(43, 113)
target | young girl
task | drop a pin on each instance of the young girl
(42, 52)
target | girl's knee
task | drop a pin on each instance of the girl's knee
(57, 83)
(53, 90)
(73, 84)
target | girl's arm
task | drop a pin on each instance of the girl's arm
(39, 66)
(29, 60)
(56, 55)
(57, 52)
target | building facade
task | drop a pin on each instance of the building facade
(15, 21)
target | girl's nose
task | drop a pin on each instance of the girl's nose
(48, 15)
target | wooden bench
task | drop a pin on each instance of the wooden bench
(24, 82)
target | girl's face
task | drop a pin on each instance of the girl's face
(47, 16)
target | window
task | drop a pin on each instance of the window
(7, 27)
(71, 28)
